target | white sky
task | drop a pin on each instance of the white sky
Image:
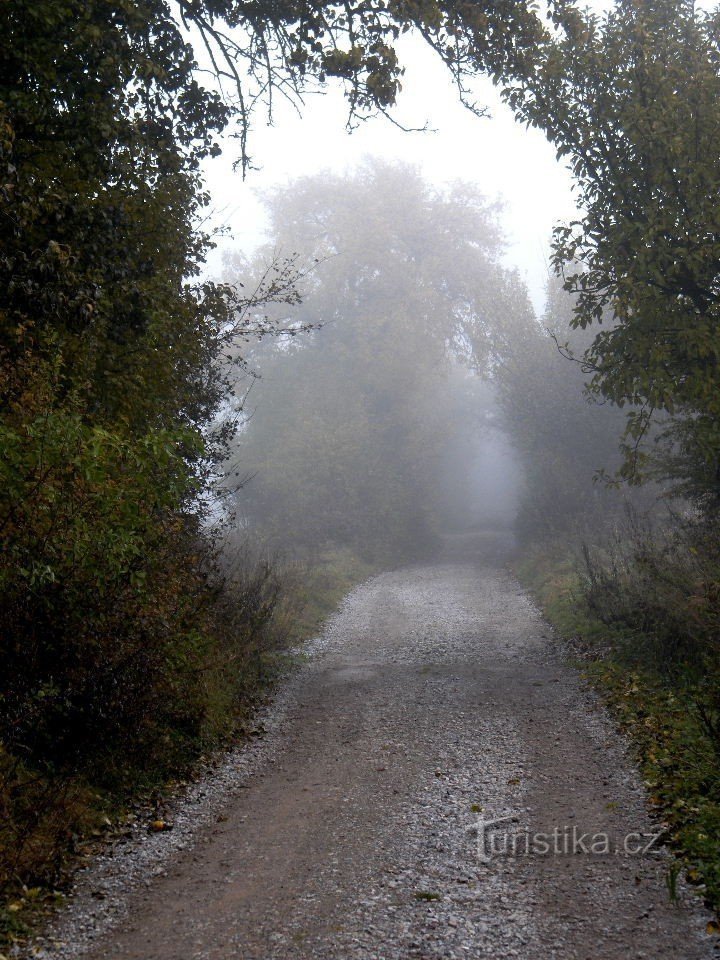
(505, 159)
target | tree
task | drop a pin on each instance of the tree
(109, 341)
(352, 423)
(632, 99)
(108, 377)
(563, 437)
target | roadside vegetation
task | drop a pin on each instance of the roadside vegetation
(95, 758)
(629, 576)
(640, 614)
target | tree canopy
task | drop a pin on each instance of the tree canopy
(632, 100)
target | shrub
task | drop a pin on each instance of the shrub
(659, 585)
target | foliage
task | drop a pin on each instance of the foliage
(97, 722)
(642, 614)
(661, 585)
(353, 421)
(290, 48)
(122, 652)
(131, 75)
(42, 818)
(106, 128)
(312, 586)
(632, 100)
(680, 765)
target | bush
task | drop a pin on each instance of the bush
(659, 586)
(96, 623)
(125, 652)
(131, 643)
(112, 708)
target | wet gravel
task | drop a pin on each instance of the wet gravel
(435, 701)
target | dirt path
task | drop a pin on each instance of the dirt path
(434, 700)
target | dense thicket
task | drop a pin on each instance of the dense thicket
(105, 376)
(119, 652)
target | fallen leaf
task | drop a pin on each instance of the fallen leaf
(159, 825)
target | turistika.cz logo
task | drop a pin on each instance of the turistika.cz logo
(496, 837)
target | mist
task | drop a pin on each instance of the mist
(510, 164)
(412, 392)
(367, 355)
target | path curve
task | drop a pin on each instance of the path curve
(434, 702)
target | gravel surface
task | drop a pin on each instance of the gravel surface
(356, 827)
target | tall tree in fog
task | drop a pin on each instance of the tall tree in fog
(351, 422)
(563, 438)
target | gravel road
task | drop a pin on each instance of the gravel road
(357, 826)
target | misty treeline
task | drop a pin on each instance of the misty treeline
(371, 422)
(353, 430)
(387, 341)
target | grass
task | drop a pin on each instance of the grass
(314, 590)
(664, 713)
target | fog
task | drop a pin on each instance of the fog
(467, 471)
(508, 162)
(492, 478)
(288, 351)
(418, 389)
(413, 390)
